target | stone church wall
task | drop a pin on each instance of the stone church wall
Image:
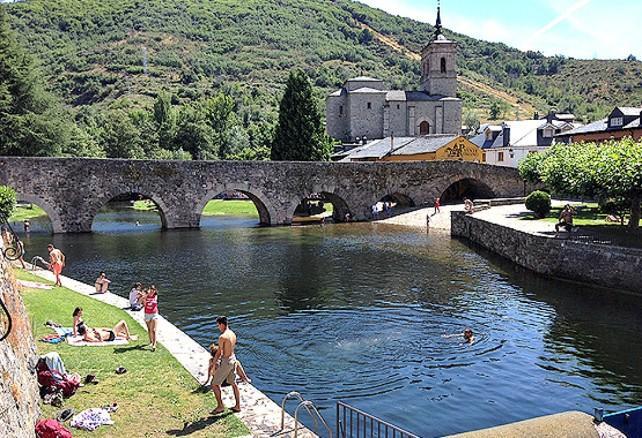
(19, 398)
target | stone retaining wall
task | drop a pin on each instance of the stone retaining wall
(19, 397)
(603, 265)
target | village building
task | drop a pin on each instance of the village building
(622, 122)
(422, 148)
(509, 143)
(364, 109)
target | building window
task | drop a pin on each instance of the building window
(484, 157)
(341, 110)
(500, 156)
(548, 133)
(443, 65)
(617, 121)
(369, 105)
(398, 106)
(424, 128)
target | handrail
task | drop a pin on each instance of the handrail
(298, 396)
(309, 407)
(378, 427)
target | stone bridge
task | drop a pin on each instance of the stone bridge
(73, 190)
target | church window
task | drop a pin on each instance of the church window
(424, 128)
(398, 106)
(341, 110)
(500, 156)
(369, 105)
(443, 65)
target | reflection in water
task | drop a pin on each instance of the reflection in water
(358, 312)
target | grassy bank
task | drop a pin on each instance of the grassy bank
(216, 207)
(156, 397)
(22, 213)
(586, 215)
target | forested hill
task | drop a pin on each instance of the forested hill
(121, 53)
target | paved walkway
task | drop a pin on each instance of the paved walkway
(260, 414)
(417, 218)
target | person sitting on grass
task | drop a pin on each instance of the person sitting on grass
(212, 367)
(565, 220)
(120, 330)
(102, 284)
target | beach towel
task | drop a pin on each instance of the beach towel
(91, 419)
(77, 341)
(63, 331)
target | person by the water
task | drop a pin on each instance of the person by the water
(102, 283)
(225, 366)
(437, 205)
(468, 335)
(566, 219)
(56, 262)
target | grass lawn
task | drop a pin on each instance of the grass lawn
(156, 397)
(587, 214)
(22, 213)
(231, 207)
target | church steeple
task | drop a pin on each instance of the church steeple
(439, 63)
(438, 27)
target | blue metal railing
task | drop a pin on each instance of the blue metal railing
(354, 423)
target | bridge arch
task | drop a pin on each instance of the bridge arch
(465, 187)
(340, 207)
(264, 207)
(101, 202)
(54, 217)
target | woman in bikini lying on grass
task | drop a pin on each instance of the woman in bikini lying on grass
(89, 334)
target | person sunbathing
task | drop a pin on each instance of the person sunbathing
(120, 330)
(240, 372)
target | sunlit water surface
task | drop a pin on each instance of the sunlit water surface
(358, 312)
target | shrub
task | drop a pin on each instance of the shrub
(539, 202)
(7, 201)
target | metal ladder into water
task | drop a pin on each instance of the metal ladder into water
(312, 410)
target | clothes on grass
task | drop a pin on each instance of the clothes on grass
(54, 362)
(50, 428)
(91, 419)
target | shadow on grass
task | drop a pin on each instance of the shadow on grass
(190, 428)
(120, 350)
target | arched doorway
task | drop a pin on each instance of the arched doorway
(129, 211)
(234, 207)
(391, 205)
(424, 128)
(466, 188)
(321, 207)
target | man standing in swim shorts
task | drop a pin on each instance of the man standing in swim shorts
(225, 366)
(56, 262)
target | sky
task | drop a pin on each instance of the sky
(586, 29)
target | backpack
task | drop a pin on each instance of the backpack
(49, 428)
(52, 380)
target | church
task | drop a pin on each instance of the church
(363, 108)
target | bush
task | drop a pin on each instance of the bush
(7, 201)
(539, 202)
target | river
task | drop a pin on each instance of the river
(358, 312)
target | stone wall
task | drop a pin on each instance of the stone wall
(603, 265)
(73, 190)
(19, 397)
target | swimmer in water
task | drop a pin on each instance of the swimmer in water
(468, 335)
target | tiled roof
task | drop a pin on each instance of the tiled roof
(364, 79)
(336, 93)
(425, 144)
(630, 111)
(366, 90)
(634, 124)
(379, 148)
(598, 126)
(396, 95)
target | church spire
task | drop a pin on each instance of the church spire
(438, 27)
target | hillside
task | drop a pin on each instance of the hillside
(121, 53)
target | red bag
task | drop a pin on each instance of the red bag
(53, 380)
(49, 428)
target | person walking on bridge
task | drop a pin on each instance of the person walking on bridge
(225, 366)
(56, 262)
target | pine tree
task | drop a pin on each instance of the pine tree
(31, 121)
(299, 134)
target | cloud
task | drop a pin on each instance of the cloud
(565, 15)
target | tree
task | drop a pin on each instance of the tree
(495, 110)
(299, 134)
(119, 137)
(221, 117)
(7, 201)
(165, 120)
(194, 133)
(31, 121)
(471, 121)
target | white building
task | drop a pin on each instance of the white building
(507, 144)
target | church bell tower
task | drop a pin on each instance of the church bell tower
(439, 64)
